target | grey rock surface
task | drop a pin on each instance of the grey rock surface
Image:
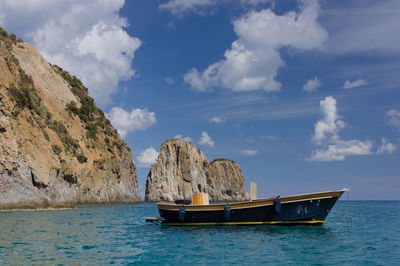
(181, 170)
(48, 156)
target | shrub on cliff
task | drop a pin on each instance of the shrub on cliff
(91, 130)
(81, 158)
(88, 111)
(23, 91)
(4, 36)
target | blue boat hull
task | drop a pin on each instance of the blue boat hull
(308, 209)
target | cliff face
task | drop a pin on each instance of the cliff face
(56, 146)
(182, 170)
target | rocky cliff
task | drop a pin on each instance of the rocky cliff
(181, 170)
(56, 146)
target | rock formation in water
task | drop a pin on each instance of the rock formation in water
(181, 170)
(56, 146)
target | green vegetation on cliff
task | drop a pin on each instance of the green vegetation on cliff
(23, 91)
(11, 38)
(25, 96)
(56, 146)
(93, 118)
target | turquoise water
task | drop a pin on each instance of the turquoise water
(355, 233)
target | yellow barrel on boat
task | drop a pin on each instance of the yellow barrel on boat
(200, 199)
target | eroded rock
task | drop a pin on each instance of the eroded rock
(182, 170)
(56, 146)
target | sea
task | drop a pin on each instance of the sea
(355, 233)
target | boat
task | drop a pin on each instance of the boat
(304, 209)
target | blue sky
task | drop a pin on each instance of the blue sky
(303, 95)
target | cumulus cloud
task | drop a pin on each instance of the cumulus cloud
(86, 38)
(180, 7)
(357, 83)
(181, 137)
(147, 157)
(206, 140)
(253, 60)
(197, 81)
(394, 118)
(312, 85)
(216, 120)
(169, 81)
(326, 135)
(386, 147)
(249, 152)
(136, 119)
(340, 149)
(329, 125)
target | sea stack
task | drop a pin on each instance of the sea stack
(56, 146)
(182, 170)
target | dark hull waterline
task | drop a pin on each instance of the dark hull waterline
(306, 209)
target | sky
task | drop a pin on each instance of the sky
(303, 95)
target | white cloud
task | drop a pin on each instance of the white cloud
(312, 85)
(170, 26)
(254, 2)
(147, 157)
(249, 152)
(197, 81)
(180, 7)
(253, 60)
(357, 83)
(326, 134)
(386, 147)
(216, 120)
(269, 137)
(86, 38)
(363, 26)
(125, 122)
(169, 81)
(394, 118)
(206, 140)
(187, 139)
(340, 149)
(330, 124)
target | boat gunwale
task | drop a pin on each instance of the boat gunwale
(254, 203)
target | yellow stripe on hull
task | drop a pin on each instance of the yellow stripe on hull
(251, 223)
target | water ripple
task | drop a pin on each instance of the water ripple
(355, 233)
